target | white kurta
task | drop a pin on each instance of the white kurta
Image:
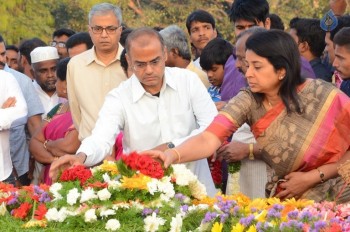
(183, 109)
(9, 117)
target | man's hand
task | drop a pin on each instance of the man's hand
(10, 102)
(233, 152)
(166, 157)
(65, 162)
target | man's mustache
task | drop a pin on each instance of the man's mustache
(2, 64)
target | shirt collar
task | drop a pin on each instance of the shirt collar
(138, 91)
(92, 57)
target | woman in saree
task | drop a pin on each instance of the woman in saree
(57, 136)
(301, 125)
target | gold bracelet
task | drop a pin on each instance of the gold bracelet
(45, 143)
(321, 175)
(177, 153)
(251, 151)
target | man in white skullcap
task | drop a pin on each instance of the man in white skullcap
(44, 61)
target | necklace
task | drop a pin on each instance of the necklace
(269, 103)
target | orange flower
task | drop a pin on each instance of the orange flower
(40, 212)
(22, 211)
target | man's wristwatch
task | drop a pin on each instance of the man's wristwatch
(170, 145)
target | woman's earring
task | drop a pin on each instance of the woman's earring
(281, 78)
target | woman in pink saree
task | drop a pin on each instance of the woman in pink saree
(301, 125)
(57, 136)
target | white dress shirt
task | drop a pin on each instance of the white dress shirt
(183, 109)
(9, 117)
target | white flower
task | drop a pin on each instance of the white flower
(152, 186)
(176, 223)
(106, 178)
(183, 175)
(113, 184)
(73, 196)
(87, 194)
(104, 194)
(153, 222)
(112, 224)
(3, 209)
(54, 188)
(90, 215)
(54, 215)
(166, 187)
(198, 190)
(107, 212)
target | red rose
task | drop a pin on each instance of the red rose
(40, 212)
(22, 211)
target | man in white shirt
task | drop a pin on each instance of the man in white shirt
(44, 61)
(13, 112)
(156, 108)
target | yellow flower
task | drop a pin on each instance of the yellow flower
(252, 228)
(206, 200)
(237, 228)
(261, 217)
(109, 166)
(258, 203)
(138, 181)
(3, 209)
(35, 223)
(217, 227)
(273, 201)
(300, 204)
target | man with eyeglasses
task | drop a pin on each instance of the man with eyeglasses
(93, 73)
(158, 107)
(59, 39)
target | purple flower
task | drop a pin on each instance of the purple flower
(146, 211)
(305, 216)
(319, 225)
(13, 201)
(180, 197)
(223, 217)
(272, 213)
(209, 216)
(293, 214)
(184, 208)
(278, 207)
(247, 221)
(292, 224)
(44, 197)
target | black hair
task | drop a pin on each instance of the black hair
(63, 31)
(141, 32)
(342, 38)
(343, 21)
(199, 16)
(280, 49)
(309, 30)
(27, 46)
(79, 38)
(217, 51)
(124, 35)
(276, 22)
(123, 61)
(12, 47)
(1, 39)
(250, 10)
(61, 68)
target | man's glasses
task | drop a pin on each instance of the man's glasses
(141, 66)
(58, 44)
(109, 29)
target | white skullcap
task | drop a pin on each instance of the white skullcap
(40, 54)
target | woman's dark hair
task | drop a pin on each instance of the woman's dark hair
(61, 69)
(280, 49)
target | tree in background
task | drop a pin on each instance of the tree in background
(21, 19)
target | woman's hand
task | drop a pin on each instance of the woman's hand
(296, 184)
(64, 162)
(233, 152)
(166, 157)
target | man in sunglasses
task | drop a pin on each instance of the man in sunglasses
(59, 39)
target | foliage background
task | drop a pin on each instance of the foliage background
(23, 19)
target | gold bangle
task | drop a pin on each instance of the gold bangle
(45, 143)
(321, 175)
(251, 151)
(177, 153)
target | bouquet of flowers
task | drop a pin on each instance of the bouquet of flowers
(138, 194)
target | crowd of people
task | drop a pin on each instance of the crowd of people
(276, 100)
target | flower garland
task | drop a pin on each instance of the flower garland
(119, 196)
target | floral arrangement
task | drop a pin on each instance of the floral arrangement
(137, 194)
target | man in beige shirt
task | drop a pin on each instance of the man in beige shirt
(178, 51)
(92, 74)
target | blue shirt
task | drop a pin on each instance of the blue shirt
(18, 137)
(214, 93)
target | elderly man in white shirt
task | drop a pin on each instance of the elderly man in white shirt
(157, 108)
(13, 112)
